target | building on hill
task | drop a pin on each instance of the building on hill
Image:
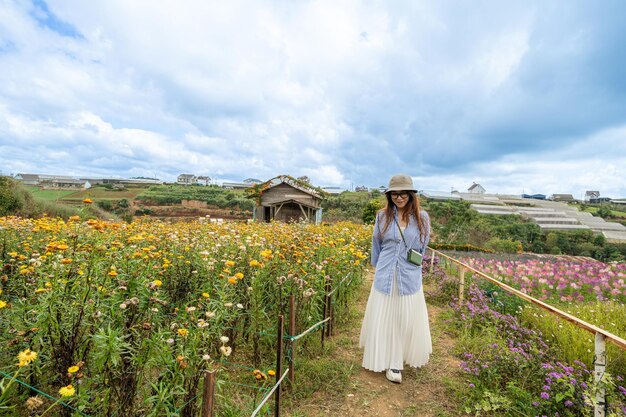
(361, 189)
(230, 185)
(66, 184)
(440, 195)
(599, 200)
(28, 179)
(476, 188)
(284, 198)
(186, 179)
(252, 181)
(333, 190)
(589, 195)
(203, 180)
(534, 196)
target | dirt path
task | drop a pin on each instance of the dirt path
(422, 392)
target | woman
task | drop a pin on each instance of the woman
(395, 328)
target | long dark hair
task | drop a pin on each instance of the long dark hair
(412, 207)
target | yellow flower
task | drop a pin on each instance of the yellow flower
(73, 369)
(232, 280)
(3, 304)
(205, 294)
(157, 282)
(267, 253)
(239, 275)
(74, 218)
(67, 391)
(112, 273)
(66, 261)
(254, 262)
(88, 201)
(230, 263)
(271, 372)
(182, 332)
(25, 357)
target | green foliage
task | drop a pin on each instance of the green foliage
(576, 343)
(504, 245)
(455, 223)
(346, 206)
(17, 200)
(369, 213)
(212, 195)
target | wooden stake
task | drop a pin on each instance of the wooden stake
(292, 343)
(329, 309)
(208, 394)
(279, 362)
(461, 285)
(325, 309)
(599, 362)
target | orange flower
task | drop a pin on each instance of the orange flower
(88, 201)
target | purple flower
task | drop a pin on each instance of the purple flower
(545, 395)
(472, 385)
(568, 403)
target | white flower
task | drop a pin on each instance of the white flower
(190, 309)
(228, 304)
(239, 305)
(210, 314)
(206, 357)
(154, 310)
(123, 306)
(224, 339)
(226, 350)
(169, 341)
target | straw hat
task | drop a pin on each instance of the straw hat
(400, 182)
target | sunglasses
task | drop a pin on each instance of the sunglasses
(401, 194)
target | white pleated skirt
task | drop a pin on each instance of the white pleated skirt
(395, 331)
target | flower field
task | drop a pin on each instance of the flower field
(557, 279)
(121, 319)
(526, 361)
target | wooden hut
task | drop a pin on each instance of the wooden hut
(287, 199)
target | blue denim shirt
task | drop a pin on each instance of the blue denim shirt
(389, 254)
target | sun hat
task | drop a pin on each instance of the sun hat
(400, 182)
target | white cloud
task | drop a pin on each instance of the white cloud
(344, 92)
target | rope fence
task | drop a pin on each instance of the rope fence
(601, 335)
(207, 393)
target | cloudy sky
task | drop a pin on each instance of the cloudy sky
(520, 96)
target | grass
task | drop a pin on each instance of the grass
(578, 344)
(49, 195)
(614, 213)
(96, 192)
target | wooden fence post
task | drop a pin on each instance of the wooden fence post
(208, 394)
(329, 309)
(279, 363)
(461, 285)
(599, 362)
(292, 342)
(325, 309)
(432, 260)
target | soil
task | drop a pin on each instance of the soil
(423, 391)
(178, 212)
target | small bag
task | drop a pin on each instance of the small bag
(412, 255)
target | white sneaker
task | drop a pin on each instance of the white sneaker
(394, 375)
